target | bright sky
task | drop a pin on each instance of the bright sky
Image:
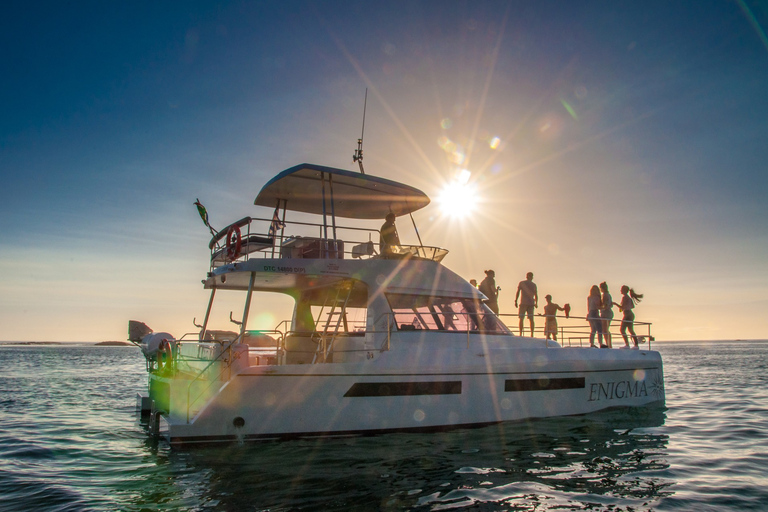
(616, 141)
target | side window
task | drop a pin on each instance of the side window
(341, 308)
(419, 312)
(455, 316)
(428, 318)
(346, 320)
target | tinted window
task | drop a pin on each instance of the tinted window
(421, 312)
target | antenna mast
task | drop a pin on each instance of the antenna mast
(358, 156)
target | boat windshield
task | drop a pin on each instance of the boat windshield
(449, 314)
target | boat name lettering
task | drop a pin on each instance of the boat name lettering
(294, 270)
(615, 390)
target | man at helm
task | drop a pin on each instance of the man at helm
(388, 239)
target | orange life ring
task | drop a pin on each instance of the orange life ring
(164, 350)
(234, 243)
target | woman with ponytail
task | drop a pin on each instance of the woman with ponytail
(629, 298)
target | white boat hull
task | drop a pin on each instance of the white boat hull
(266, 402)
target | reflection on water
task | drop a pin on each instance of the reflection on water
(574, 463)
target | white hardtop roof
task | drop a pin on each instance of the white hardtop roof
(412, 277)
(347, 194)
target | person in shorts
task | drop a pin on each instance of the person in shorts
(550, 318)
(594, 305)
(529, 300)
(606, 312)
(629, 299)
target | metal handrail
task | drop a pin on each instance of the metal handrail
(570, 332)
(583, 332)
(189, 386)
(279, 345)
(217, 242)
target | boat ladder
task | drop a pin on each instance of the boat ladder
(336, 320)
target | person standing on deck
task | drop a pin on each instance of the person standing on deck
(606, 313)
(388, 238)
(489, 289)
(594, 305)
(550, 317)
(629, 298)
(529, 300)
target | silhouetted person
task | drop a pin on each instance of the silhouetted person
(629, 298)
(606, 313)
(529, 299)
(550, 320)
(594, 304)
(388, 239)
(490, 290)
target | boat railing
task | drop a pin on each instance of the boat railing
(575, 331)
(252, 237)
(263, 345)
(225, 350)
(570, 331)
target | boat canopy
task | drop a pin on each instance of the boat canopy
(310, 188)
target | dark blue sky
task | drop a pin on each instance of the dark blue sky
(115, 117)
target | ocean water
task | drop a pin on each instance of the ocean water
(70, 440)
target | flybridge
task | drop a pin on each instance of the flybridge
(332, 193)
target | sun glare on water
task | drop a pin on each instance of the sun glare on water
(458, 199)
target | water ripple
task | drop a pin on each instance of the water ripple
(69, 440)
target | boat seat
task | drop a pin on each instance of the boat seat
(364, 249)
(248, 245)
(312, 248)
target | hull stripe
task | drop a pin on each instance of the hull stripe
(543, 384)
(368, 389)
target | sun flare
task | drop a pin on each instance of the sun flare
(458, 199)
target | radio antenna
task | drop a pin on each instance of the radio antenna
(358, 156)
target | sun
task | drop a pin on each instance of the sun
(458, 199)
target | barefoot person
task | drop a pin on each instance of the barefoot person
(593, 317)
(606, 313)
(529, 299)
(550, 318)
(629, 299)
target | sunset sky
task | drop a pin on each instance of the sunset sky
(616, 141)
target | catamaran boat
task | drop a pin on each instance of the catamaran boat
(380, 338)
